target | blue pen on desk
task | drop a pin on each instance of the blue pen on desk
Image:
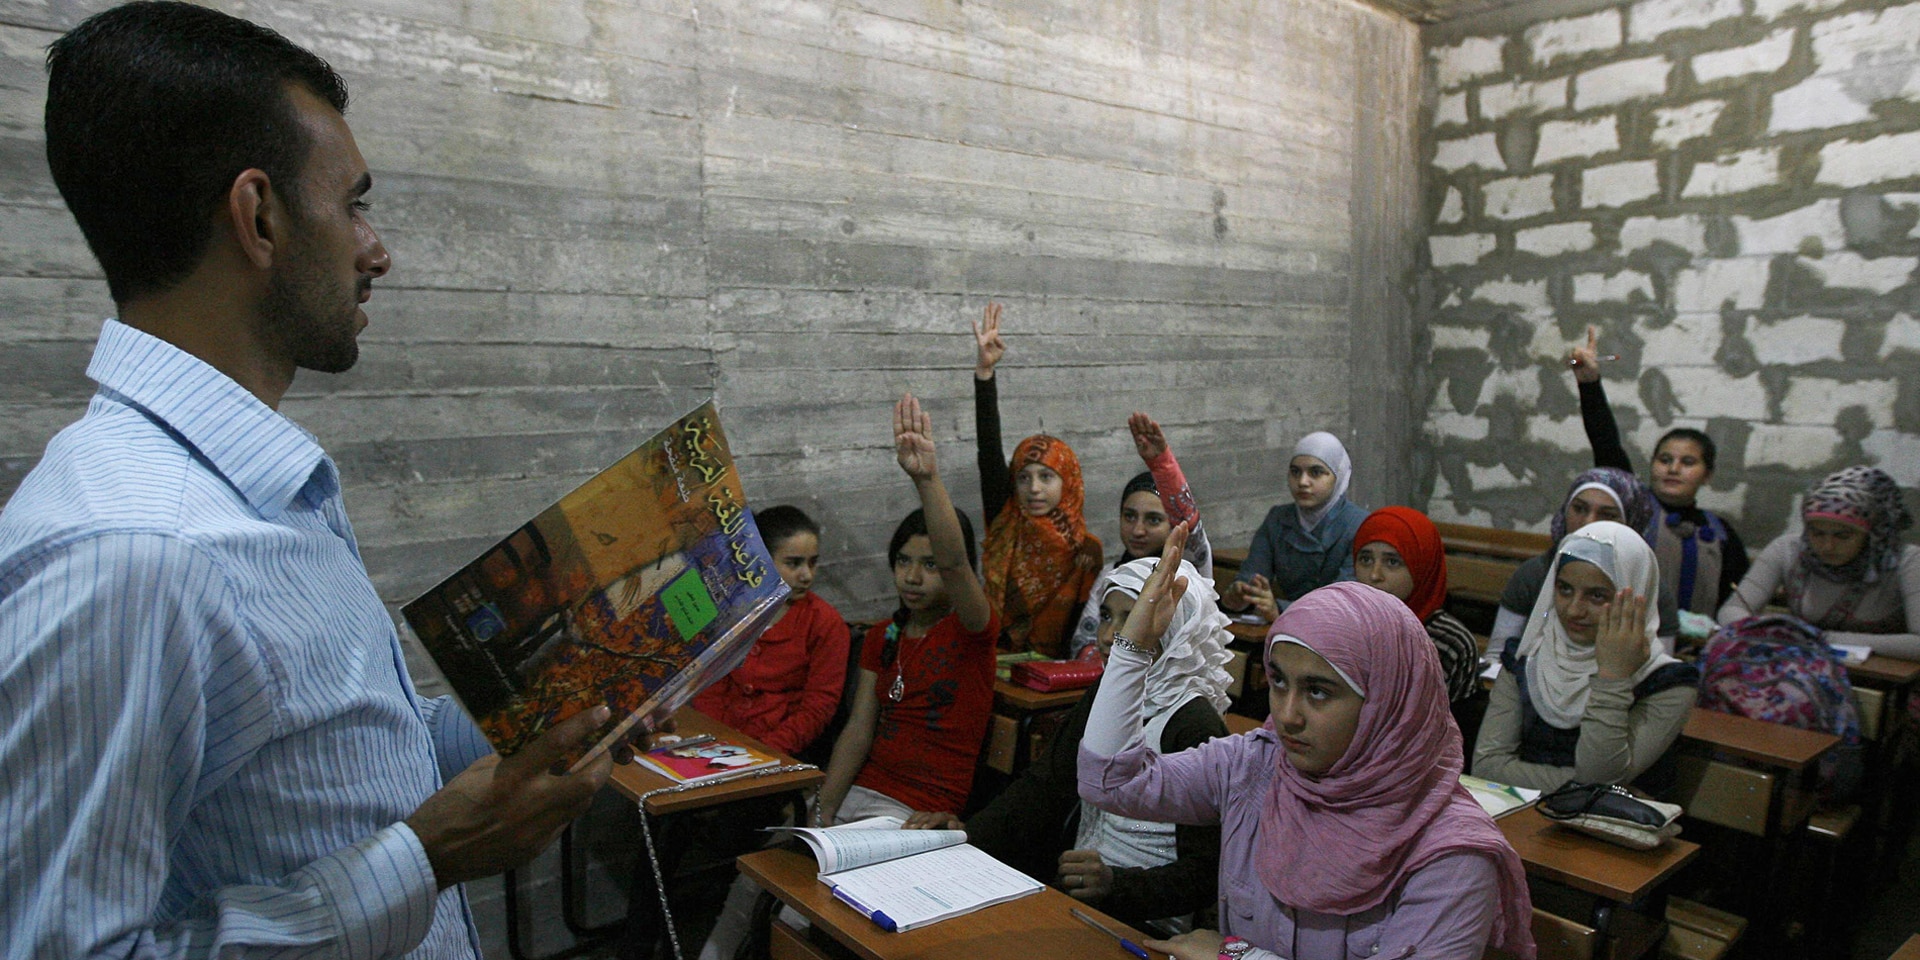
(879, 919)
(1125, 944)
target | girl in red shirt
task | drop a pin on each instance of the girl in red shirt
(921, 706)
(786, 691)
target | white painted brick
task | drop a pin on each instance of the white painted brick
(1818, 401)
(1800, 340)
(1501, 99)
(1452, 209)
(1673, 126)
(1566, 433)
(1856, 42)
(1558, 39)
(1817, 222)
(1452, 108)
(1735, 173)
(1459, 250)
(1555, 239)
(1764, 57)
(1857, 163)
(1903, 333)
(1816, 103)
(1707, 284)
(1651, 18)
(1618, 184)
(1772, 9)
(1518, 197)
(1442, 509)
(1496, 477)
(1790, 446)
(1609, 288)
(1530, 294)
(1454, 426)
(1479, 150)
(1688, 337)
(1688, 232)
(1472, 57)
(1459, 338)
(1895, 452)
(1522, 385)
(1727, 503)
(1704, 391)
(1560, 139)
(1620, 82)
(1849, 269)
(1909, 202)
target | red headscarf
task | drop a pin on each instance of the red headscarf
(1039, 569)
(1346, 842)
(1418, 542)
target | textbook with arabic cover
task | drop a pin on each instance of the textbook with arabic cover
(903, 879)
(636, 590)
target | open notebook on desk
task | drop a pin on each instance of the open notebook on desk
(902, 879)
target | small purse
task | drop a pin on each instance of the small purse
(1612, 814)
(1048, 676)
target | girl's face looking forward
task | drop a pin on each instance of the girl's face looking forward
(1380, 566)
(1310, 481)
(917, 578)
(1038, 488)
(796, 558)
(1314, 711)
(1143, 524)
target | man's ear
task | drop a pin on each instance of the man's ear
(257, 216)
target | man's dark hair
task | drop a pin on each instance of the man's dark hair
(778, 523)
(153, 108)
(1707, 449)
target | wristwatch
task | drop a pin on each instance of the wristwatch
(1233, 948)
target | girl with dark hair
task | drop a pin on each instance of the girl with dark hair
(1701, 555)
(787, 689)
(920, 709)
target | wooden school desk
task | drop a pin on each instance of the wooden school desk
(1909, 950)
(642, 926)
(1010, 733)
(1032, 926)
(1883, 685)
(1588, 880)
(1767, 791)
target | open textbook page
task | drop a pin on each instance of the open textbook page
(903, 879)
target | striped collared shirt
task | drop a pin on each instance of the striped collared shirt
(208, 738)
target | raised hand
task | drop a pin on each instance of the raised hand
(1153, 611)
(1620, 644)
(1148, 441)
(1585, 361)
(913, 439)
(986, 335)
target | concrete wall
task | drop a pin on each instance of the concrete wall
(1728, 189)
(603, 211)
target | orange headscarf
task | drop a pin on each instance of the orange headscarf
(1039, 569)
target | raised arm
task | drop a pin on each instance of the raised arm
(1176, 497)
(996, 481)
(913, 447)
(1603, 433)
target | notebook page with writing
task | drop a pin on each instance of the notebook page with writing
(933, 886)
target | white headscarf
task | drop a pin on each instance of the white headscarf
(1326, 448)
(1559, 671)
(1193, 654)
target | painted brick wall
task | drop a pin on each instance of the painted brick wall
(602, 211)
(1728, 189)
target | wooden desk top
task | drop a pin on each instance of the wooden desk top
(1013, 696)
(1888, 670)
(1252, 632)
(1770, 744)
(1032, 926)
(633, 780)
(1567, 856)
(1232, 555)
(1909, 950)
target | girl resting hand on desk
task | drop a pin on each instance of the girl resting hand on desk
(1344, 828)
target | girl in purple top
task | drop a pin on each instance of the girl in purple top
(1344, 829)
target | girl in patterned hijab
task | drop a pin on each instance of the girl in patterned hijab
(1041, 561)
(1863, 498)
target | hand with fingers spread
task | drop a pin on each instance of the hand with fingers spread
(986, 335)
(933, 820)
(1148, 439)
(913, 439)
(1585, 361)
(1255, 594)
(501, 812)
(1084, 876)
(1153, 610)
(1620, 644)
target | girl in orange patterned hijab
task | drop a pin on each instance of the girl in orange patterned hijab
(1040, 560)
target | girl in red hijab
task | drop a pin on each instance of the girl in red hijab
(1040, 560)
(1398, 550)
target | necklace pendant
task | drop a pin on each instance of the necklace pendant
(899, 688)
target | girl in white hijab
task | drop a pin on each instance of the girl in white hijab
(1588, 692)
(1304, 545)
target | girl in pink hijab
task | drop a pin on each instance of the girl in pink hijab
(1344, 829)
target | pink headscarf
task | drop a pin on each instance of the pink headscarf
(1344, 843)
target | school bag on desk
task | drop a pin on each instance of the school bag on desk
(1777, 668)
